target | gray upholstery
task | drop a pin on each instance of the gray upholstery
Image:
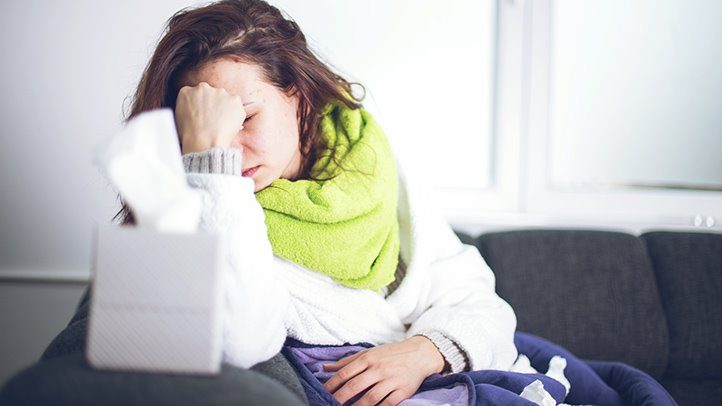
(653, 301)
(694, 392)
(68, 380)
(63, 377)
(72, 339)
(689, 274)
(593, 292)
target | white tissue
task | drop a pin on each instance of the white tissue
(143, 161)
(523, 365)
(556, 371)
(535, 392)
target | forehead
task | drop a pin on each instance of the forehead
(238, 78)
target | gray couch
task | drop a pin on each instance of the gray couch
(653, 301)
(63, 377)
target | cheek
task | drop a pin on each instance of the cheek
(272, 145)
(287, 135)
(254, 149)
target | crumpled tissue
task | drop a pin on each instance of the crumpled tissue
(143, 162)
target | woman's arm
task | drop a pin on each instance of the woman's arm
(448, 293)
(256, 298)
(455, 360)
(464, 316)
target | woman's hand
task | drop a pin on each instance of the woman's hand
(207, 117)
(395, 370)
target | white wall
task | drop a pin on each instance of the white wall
(67, 69)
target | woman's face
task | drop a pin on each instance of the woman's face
(270, 137)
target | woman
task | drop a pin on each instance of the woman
(343, 250)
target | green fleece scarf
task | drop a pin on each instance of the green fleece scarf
(345, 227)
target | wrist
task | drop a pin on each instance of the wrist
(191, 147)
(436, 361)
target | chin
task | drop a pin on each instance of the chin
(258, 186)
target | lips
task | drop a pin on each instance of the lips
(250, 171)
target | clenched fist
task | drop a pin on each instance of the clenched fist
(207, 117)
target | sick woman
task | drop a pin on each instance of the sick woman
(329, 242)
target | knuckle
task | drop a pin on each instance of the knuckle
(343, 375)
(389, 402)
(394, 399)
(374, 397)
(365, 357)
(355, 387)
(377, 370)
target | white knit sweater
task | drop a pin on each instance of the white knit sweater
(447, 293)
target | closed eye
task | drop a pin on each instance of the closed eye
(248, 118)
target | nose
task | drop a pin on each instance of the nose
(240, 140)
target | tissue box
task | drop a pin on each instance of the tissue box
(156, 301)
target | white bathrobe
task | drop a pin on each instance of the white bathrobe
(448, 287)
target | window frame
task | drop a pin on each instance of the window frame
(525, 196)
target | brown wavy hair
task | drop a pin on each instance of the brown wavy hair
(249, 31)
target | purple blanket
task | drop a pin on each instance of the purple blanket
(592, 382)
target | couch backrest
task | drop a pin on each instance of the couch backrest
(593, 292)
(688, 267)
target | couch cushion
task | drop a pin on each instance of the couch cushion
(694, 392)
(464, 237)
(592, 292)
(69, 380)
(688, 267)
(71, 341)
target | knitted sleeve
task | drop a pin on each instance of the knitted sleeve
(455, 359)
(215, 160)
